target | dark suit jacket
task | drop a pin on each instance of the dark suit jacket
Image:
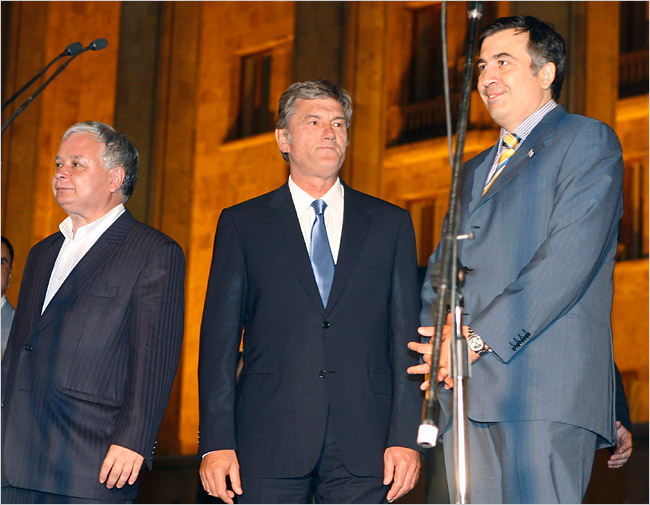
(97, 367)
(540, 292)
(303, 362)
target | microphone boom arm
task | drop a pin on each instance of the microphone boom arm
(95, 45)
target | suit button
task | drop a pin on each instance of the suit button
(326, 324)
(322, 374)
(28, 346)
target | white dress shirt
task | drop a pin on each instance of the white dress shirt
(333, 213)
(75, 246)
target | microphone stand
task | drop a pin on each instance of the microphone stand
(94, 45)
(72, 49)
(448, 283)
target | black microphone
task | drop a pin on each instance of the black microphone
(72, 50)
(95, 45)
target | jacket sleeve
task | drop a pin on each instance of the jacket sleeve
(221, 330)
(155, 326)
(404, 309)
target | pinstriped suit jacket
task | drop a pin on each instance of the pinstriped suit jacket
(540, 293)
(96, 368)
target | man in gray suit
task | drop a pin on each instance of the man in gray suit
(544, 205)
(7, 314)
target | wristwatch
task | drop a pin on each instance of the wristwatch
(475, 343)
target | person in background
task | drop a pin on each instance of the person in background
(7, 314)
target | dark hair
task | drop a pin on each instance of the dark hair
(119, 151)
(310, 90)
(6, 242)
(544, 44)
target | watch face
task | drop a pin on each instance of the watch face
(476, 344)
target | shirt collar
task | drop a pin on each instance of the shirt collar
(89, 229)
(303, 200)
(528, 125)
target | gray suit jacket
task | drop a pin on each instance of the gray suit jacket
(7, 316)
(540, 293)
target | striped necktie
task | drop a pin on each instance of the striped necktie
(510, 142)
(320, 254)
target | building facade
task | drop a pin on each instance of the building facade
(196, 84)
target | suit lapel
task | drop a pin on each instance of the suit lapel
(41, 282)
(479, 175)
(290, 242)
(530, 148)
(86, 270)
(356, 223)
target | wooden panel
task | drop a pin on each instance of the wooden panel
(172, 126)
(601, 61)
(368, 98)
(135, 102)
(630, 328)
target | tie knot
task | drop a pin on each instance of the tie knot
(510, 140)
(319, 206)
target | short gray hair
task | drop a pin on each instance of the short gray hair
(119, 151)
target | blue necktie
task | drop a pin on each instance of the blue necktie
(320, 253)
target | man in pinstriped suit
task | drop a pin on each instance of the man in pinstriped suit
(96, 338)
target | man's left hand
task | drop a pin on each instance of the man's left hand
(120, 465)
(402, 468)
(427, 349)
(623, 449)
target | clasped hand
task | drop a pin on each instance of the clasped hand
(426, 350)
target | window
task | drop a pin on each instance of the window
(633, 69)
(426, 69)
(255, 86)
(422, 106)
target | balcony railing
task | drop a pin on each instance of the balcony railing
(633, 74)
(425, 120)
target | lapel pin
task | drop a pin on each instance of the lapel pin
(530, 153)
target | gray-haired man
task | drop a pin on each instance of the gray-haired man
(96, 337)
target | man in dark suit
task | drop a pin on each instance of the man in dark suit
(96, 337)
(544, 205)
(323, 409)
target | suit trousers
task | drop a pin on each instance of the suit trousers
(525, 462)
(328, 482)
(12, 494)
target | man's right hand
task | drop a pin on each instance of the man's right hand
(215, 467)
